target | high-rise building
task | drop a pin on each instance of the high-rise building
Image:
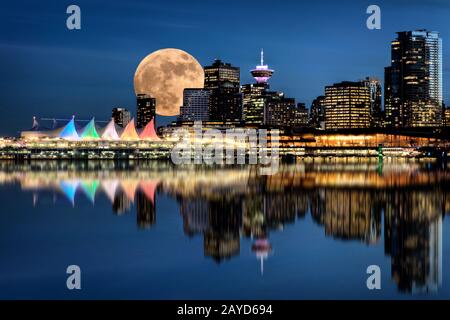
(146, 110)
(279, 111)
(413, 81)
(256, 95)
(347, 106)
(121, 116)
(445, 116)
(225, 100)
(317, 113)
(263, 107)
(374, 86)
(253, 102)
(195, 105)
(300, 116)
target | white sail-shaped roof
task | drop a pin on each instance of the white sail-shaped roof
(110, 132)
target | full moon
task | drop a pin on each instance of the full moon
(164, 74)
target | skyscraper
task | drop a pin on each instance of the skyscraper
(413, 81)
(374, 86)
(445, 116)
(121, 116)
(263, 107)
(146, 110)
(255, 95)
(347, 106)
(300, 116)
(317, 113)
(253, 102)
(279, 111)
(225, 101)
(195, 105)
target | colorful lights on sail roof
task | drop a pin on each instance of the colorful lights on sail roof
(149, 132)
(110, 132)
(69, 131)
(89, 131)
(93, 132)
(130, 133)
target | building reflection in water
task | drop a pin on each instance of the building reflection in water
(403, 205)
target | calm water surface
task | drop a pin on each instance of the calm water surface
(154, 231)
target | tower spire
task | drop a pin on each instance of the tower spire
(262, 56)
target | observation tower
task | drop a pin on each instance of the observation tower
(262, 73)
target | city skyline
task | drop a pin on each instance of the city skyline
(202, 150)
(299, 74)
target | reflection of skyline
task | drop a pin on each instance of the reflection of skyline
(403, 205)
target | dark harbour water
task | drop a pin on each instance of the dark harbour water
(154, 231)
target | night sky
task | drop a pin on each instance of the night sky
(50, 71)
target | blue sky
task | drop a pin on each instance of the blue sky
(49, 71)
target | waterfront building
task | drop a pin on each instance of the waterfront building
(317, 113)
(255, 96)
(413, 81)
(149, 132)
(145, 111)
(300, 116)
(374, 85)
(110, 131)
(253, 103)
(347, 106)
(223, 80)
(69, 131)
(279, 111)
(445, 115)
(130, 133)
(121, 116)
(263, 107)
(195, 105)
(90, 131)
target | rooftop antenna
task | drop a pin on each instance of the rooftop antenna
(262, 56)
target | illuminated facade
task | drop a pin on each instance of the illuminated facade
(317, 113)
(146, 110)
(374, 85)
(110, 132)
(279, 111)
(446, 117)
(254, 96)
(347, 105)
(413, 81)
(263, 107)
(301, 116)
(121, 116)
(195, 105)
(225, 101)
(253, 103)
